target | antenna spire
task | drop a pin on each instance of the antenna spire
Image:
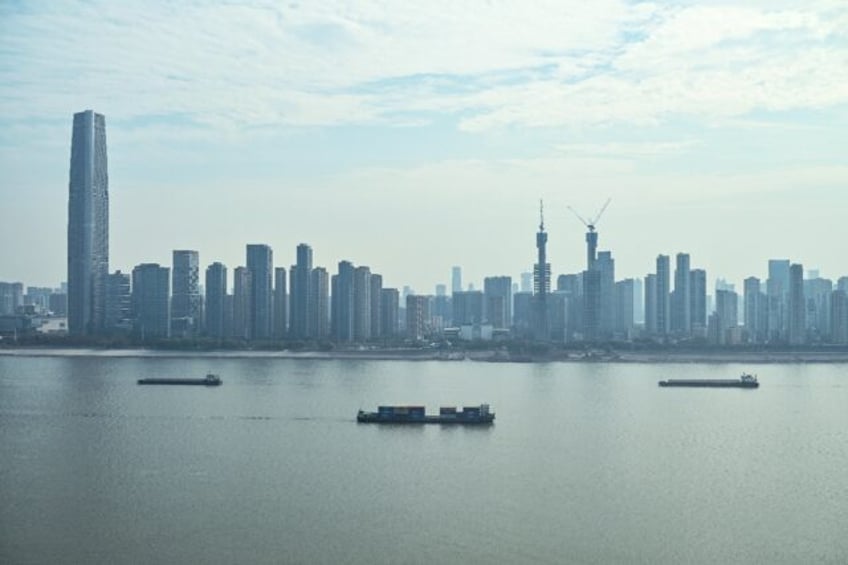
(541, 215)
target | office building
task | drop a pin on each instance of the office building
(88, 225)
(456, 279)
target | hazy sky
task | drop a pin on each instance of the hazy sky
(413, 137)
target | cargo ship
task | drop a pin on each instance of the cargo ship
(208, 380)
(745, 381)
(468, 415)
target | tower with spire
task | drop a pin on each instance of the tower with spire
(541, 280)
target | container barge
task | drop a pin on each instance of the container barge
(745, 381)
(468, 415)
(208, 380)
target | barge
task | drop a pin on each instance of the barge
(745, 381)
(467, 415)
(208, 380)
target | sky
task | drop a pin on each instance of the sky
(414, 136)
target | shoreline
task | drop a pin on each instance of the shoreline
(752, 357)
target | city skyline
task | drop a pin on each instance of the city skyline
(717, 131)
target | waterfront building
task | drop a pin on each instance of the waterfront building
(216, 294)
(186, 303)
(151, 304)
(497, 292)
(797, 306)
(522, 313)
(88, 225)
(11, 298)
(319, 303)
(839, 317)
(756, 313)
(698, 301)
(59, 304)
(651, 304)
(376, 304)
(342, 310)
(727, 315)
(624, 308)
(418, 316)
(362, 304)
(281, 302)
(467, 308)
(681, 302)
(242, 288)
(299, 300)
(663, 300)
(118, 303)
(605, 265)
(260, 263)
(389, 300)
(777, 290)
(39, 297)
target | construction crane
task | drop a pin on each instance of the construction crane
(592, 222)
(591, 235)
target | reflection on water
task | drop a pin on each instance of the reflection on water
(585, 463)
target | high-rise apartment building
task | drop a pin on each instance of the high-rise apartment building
(605, 265)
(299, 302)
(797, 305)
(698, 300)
(260, 263)
(651, 304)
(11, 297)
(376, 305)
(342, 311)
(839, 317)
(755, 310)
(281, 301)
(681, 303)
(389, 302)
(497, 303)
(216, 299)
(777, 303)
(362, 304)
(118, 303)
(186, 304)
(417, 316)
(663, 304)
(319, 303)
(242, 288)
(88, 225)
(151, 301)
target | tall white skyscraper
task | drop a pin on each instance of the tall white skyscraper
(88, 225)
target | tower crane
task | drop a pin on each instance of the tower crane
(590, 224)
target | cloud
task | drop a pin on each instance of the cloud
(489, 65)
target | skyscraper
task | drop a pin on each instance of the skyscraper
(281, 301)
(698, 300)
(260, 263)
(681, 314)
(216, 294)
(299, 300)
(341, 314)
(498, 301)
(118, 303)
(541, 281)
(88, 225)
(319, 303)
(185, 293)
(362, 304)
(797, 305)
(242, 288)
(663, 296)
(151, 300)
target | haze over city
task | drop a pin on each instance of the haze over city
(414, 138)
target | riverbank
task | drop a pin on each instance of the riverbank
(497, 356)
